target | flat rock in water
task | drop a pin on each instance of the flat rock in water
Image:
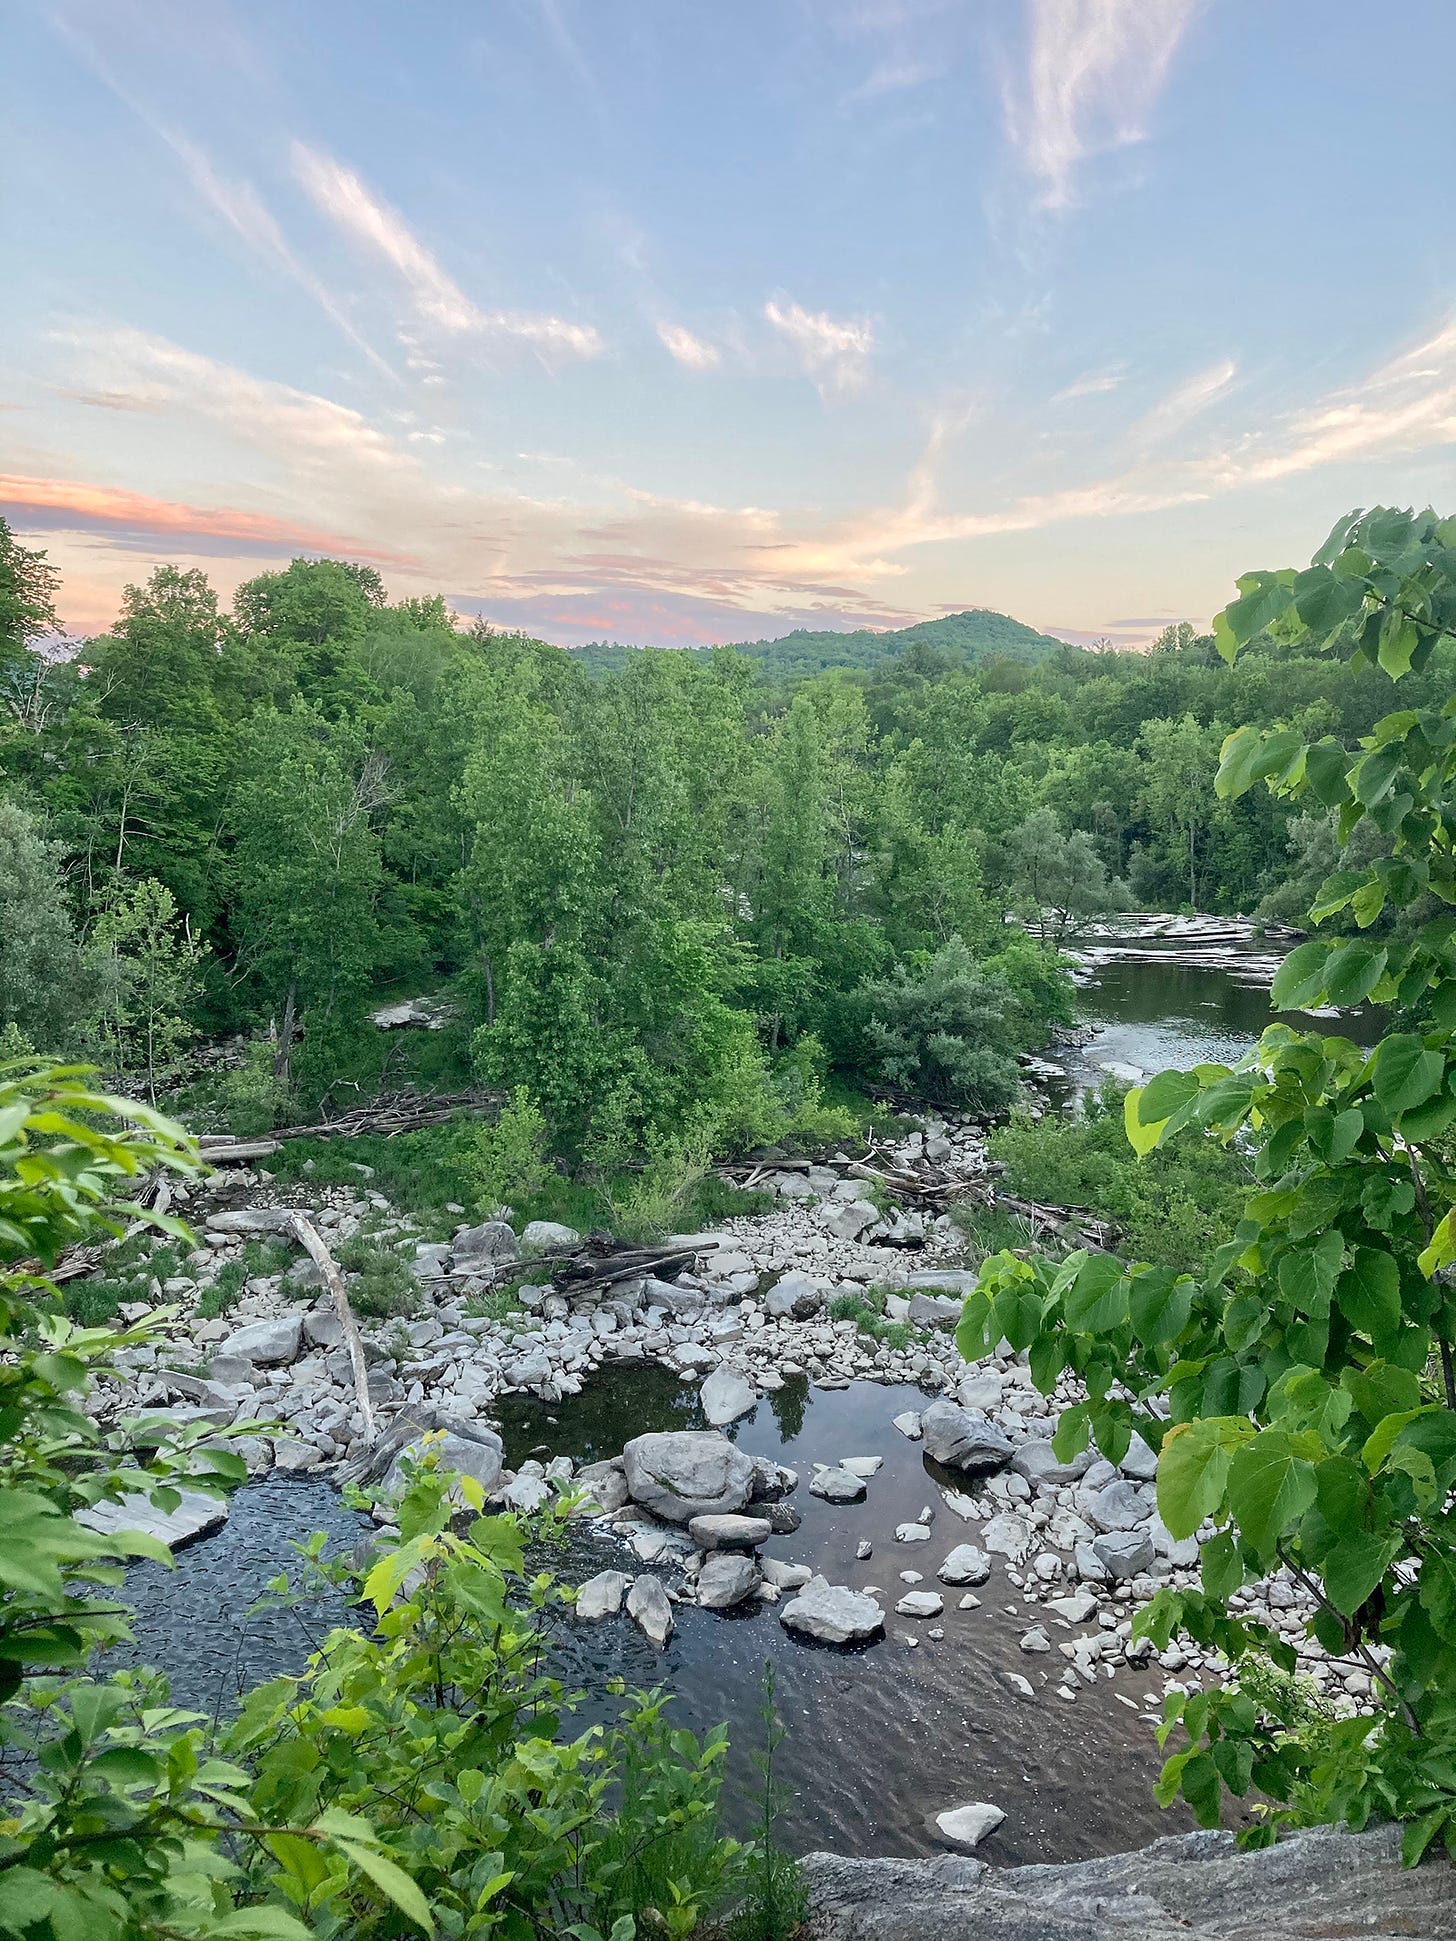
(197, 1515)
(862, 1465)
(966, 1565)
(912, 1533)
(784, 1577)
(967, 1826)
(908, 1423)
(961, 1440)
(1323, 1884)
(920, 1604)
(726, 1579)
(682, 1473)
(1009, 1536)
(836, 1485)
(601, 1596)
(730, 1532)
(832, 1613)
(649, 1609)
(725, 1396)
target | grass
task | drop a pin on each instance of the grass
(423, 1173)
(867, 1311)
(258, 1259)
(993, 1230)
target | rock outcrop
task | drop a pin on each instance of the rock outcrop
(1323, 1885)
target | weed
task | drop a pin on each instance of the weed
(776, 1901)
(993, 1230)
(495, 1303)
(867, 1311)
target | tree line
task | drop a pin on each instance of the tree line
(671, 902)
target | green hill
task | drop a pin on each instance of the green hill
(977, 634)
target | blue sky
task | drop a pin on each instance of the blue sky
(672, 320)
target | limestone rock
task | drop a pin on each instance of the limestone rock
(252, 1220)
(837, 1485)
(921, 1604)
(725, 1396)
(965, 1565)
(549, 1236)
(730, 1532)
(268, 1344)
(954, 1436)
(726, 1579)
(650, 1611)
(967, 1826)
(682, 1473)
(601, 1596)
(478, 1249)
(832, 1613)
(1124, 1553)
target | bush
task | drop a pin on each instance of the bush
(443, 1729)
(867, 1311)
(1172, 1208)
(254, 1098)
(947, 1031)
(507, 1162)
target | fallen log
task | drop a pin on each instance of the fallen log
(307, 1236)
(389, 1116)
(602, 1270)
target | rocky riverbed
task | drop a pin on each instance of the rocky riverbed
(871, 1503)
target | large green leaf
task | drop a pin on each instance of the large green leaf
(1353, 972)
(1193, 1470)
(1355, 1566)
(1406, 1073)
(1098, 1298)
(1270, 1486)
(1300, 979)
(1159, 1303)
(1307, 1275)
(1368, 1292)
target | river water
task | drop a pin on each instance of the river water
(878, 1739)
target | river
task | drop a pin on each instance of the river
(878, 1739)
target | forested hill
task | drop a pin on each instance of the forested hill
(975, 635)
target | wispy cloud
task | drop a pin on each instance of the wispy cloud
(1094, 71)
(695, 353)
(342, 196)
(891, 76)
(1091, 384)
(1180, 406)
(835, 354)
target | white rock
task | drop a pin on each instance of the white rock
(920, 1604)
(601, 1596)
(912, 1533)
(650, 1611)
(967, 1826)
(833, 1613)
(725, 1396)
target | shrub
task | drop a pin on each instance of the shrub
(507, 1163)
(867, 1311)
(941, 1032)
(254, 1098)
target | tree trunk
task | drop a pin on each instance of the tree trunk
(308, 1238)
(286, 1030)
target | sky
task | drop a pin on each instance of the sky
(677, 321)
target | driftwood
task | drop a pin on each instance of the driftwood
(600, 1263)
(389, 1115)
(307, 1236)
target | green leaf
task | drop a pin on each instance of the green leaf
(393, 1882)
(1163, 1095)
(1142, 1138)
(1307, 1275)
(1159, 1304)
(1300, 979)
(1406, 1073)
(126, 1766)
(1353, 972)
(1355, 1566)
(1379, 1445)
(1325, 766)
(1237, 766)
(1193, 1470)
(1098, 1299)
(1368, 1292)
(1270, 1486)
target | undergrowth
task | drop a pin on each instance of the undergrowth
(867, 1311)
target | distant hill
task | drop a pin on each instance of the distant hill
(977, 634)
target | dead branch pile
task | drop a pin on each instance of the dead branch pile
(388, 1115)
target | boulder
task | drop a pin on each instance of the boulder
(650, 1611)
(267, 1344)
(967, 1826)
(832, 1613)
(960, 1440)
(1117, 1507)
(478, 1249)
(908, 1423)
(480, 1457)
(1009, 1536)
(795, 1297)
(784, 1577)
(847, 1220)
(253, 1220)
(772, 1480)
(730, 1532)
(682, 1473)
(725, 1580)
(231, 1370)
(1141, 1460)
(323, 1329)
(934, 1311)
(980, 1389)
(921, 1604)
(837, 1485)
(1038, 1462)
(1124, 1553)
(601, 1596)
(725, 1396)
(965, 1565)
(549, 1236)
(604, 1485)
